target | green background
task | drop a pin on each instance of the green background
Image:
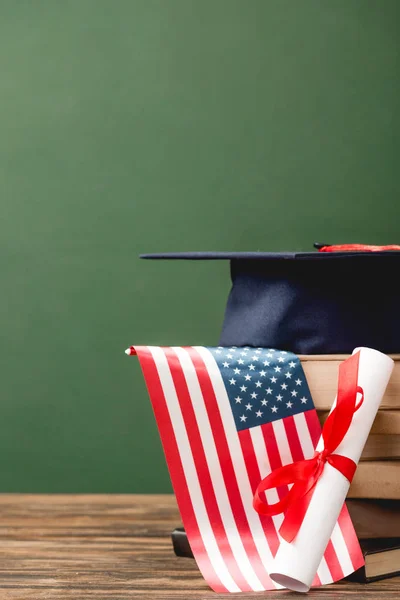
(131, 126)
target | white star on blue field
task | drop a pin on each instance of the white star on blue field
(263, 384)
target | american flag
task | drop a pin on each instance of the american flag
(227, 417)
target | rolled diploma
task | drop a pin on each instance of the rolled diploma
(296, 563)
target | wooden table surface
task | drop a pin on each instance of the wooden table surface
(113, 546)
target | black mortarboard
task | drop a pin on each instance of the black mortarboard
(310, 302)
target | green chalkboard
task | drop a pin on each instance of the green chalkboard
(133, 126)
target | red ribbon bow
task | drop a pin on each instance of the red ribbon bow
(358, 248)
(304, 474)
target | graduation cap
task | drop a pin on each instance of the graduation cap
(322, 302)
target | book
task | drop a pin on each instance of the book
(382, 560)
(371, 519)
(376, 479)
(381, 447)
(374, 518)
(180, 543)
(387, 422)
(321, 372)
(382, 556)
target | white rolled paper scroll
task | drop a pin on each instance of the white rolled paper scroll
(296, 563)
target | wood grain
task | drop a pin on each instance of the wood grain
(112, 547)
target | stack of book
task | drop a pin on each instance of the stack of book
(374, 496)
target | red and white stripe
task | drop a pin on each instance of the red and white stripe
(215, 470)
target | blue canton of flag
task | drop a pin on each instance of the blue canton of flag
(263, 385)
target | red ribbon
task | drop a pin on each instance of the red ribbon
(304, 474)
(358, 248)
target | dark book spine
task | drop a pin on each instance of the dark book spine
(358, 576)
(182, 548)
(180, 543)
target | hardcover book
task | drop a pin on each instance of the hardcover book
(382, 560)
(382, 556)
(322, 376)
